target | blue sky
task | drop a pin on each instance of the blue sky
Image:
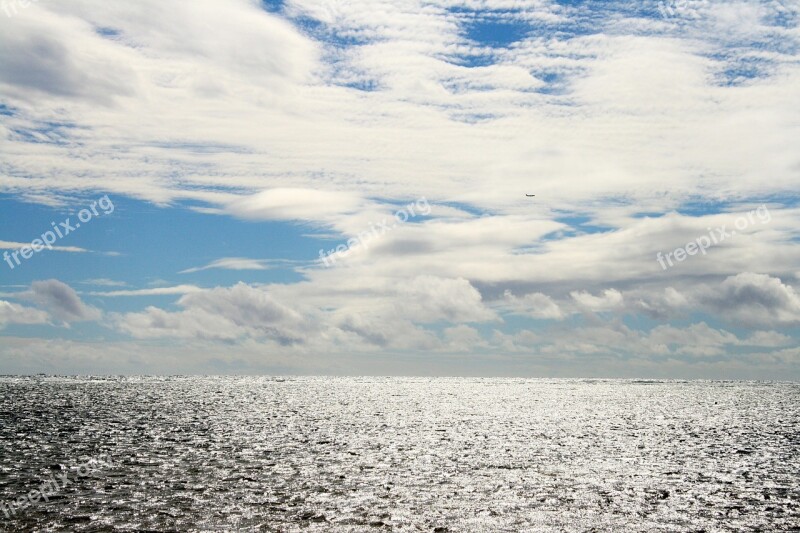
(242, 143)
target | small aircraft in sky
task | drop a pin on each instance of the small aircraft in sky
(529, 195)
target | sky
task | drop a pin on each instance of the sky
(338, 187)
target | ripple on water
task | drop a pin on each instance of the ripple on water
(351, 454)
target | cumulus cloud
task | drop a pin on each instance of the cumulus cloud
(365, 330)
(697, 339)
(754, 299)
(244, 304)
(770, 339)
(613, 340)
(11, 313)
(154, 322)
(659, 305)
(463, 338)
(610, 299)
(536, 305)
(61, 301)
(789, 355)
(244, 311)
(219, 314)
(430, 298)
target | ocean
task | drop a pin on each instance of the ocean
(397, 454)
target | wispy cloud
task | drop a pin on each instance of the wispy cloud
(159, 291)
(11, 313)
(240, 263)
(104, 282)
(8, 245)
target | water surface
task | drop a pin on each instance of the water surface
(402, 454)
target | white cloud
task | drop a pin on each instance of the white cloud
(11, 313)
(162, 65)
(259, 120)
(536, 305)
(610, 299)
(429, 299)
(696, 335)
(770, 339)
(51, 56)
(157, 291)
(104, 282)
(231, 263)
(362, 331)
(659, 305)
(8, 245)
(218, 314)
(463, 338)
(245, 311)
(754, 299)
(295, 204)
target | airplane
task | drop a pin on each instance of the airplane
(529, 195)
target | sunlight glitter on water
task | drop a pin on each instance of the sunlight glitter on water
(407, 454)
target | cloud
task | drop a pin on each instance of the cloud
(8, 245)
(235, 263)
(636, 133)
(754, 299)
(158, 323)
(219, 314)
(244, 311)
(60, 300)
(771, 339)
(787, 356)
(467, 125)
(158, 291)
(11, 313)
(58, 57)
(430, 299)
(104, 282)
(295, 204)
(697, 339)
(230, 263)
(610, 299)
(536, 305)
(659, 305)
(463, 338)
(365, 331)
